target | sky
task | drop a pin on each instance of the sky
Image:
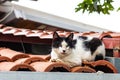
(66, 9)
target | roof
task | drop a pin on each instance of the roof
(44, 35)
(11, 60)
(19, 11)
(18, 61)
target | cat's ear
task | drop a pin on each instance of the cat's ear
(70, 37)
(55, 35)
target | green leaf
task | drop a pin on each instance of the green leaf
(95, 6)
(118, 9)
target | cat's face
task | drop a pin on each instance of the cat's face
(62, 45)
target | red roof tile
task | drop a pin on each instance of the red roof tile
(102, 65)
(41, 62)
(111, 43)
(50, 67)
(114, 34)
(5, 59)
(14, 55)
(25, 35)
(11, 66)
(84, 69)
(45, 57)
(29, 60)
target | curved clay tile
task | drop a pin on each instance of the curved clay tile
(5, 59)
(49, 31)
(77, 34)
(29, 60)
(1, 26)
(50, 67)
(17, 31)
(38, 34)
(10, 31)
(85, 34)
(114, 34)
(96, 34)
(111, 43)
(84, 69)
(34, 33)
(92, 32)
(104, 35)
(45, 57)
(109, 32)
(63, 33)
(21, 31)
(14, 55)
(6, 29)
(46, 36)
(102, 65)
(11, 66)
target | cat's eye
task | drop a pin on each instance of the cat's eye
(67, 47)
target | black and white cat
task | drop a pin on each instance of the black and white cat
(73, 51)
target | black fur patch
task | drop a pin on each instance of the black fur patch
(57, 42)
(99, 57)
(86, 45)
(74, 43)
(92, 44)
(71, 43)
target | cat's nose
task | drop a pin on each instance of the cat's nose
(64, 51)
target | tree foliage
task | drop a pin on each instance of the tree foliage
(99, 6)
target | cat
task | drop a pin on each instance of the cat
(73, 51)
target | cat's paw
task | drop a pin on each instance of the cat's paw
(85, 62)
(52, 60)
(55, 60)
(59, 60)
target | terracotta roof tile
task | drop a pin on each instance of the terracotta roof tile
(22, 61)
(84, 69)
(50, 67)
(5, 59)
(27, 34)
(29, 60)
(11, 66)
(45, 57)
(114, 34)
(111, 43)
(14, 55)
(41, 63)
(96, 34)
(102, 65)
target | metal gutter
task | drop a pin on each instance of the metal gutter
(56, 76)
(42, 17)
